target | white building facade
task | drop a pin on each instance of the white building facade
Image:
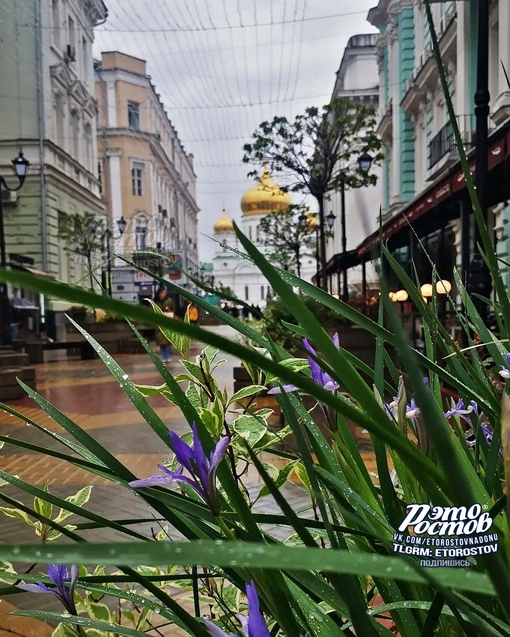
(357, 79)
(230, 269)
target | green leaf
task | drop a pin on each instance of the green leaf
(6, 568)
(99, 611)
(302, 474)
(79, 499)
(86, 622)
(17, 514)
(245, 392)
(211, 420)
(43, 507)
(249, 428)
(281, 479)
(229, 554)
(65, 631)
(194, 370)
(181, 342)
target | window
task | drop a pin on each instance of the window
(137, 179)
(246, 294)
(133, 115)
(87, 134)
(72, 33)
(55, 21)
(141, 238)
(85, 60)
(75, 125)
(63, 254)
(262, 292)
(60, 115)
(100, 175)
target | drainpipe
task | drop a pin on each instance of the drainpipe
(41, 135)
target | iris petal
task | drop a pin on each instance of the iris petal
(256, 624)
(285, 388)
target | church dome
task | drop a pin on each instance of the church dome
(265, 197)
(224, 224)
(312, 220)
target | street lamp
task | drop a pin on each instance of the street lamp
(121, 225)
(21, 166)
(365, 162)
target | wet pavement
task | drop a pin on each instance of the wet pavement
(87, 393)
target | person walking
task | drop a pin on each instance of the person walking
(166, 305)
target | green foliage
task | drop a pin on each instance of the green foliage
(288, 240)
(84, 235)
(318, 150)
(277, 314)
(43, 509)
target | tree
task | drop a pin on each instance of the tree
(283, 232)
(85, 235)
(317, 152)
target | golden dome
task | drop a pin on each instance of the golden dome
(265, 197)
(224, 224)
(312, 220)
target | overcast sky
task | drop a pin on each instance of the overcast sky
(224, 66)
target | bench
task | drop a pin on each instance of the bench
(36, 350)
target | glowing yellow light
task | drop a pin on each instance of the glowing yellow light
(443, 287)
(426, 290)
(401, 295)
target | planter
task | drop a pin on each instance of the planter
(109, 334)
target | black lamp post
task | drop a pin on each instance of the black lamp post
(364, 163)
(121, 224)
(479, 278)
(21, 166)
(330, 220)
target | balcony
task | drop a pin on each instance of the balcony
(384, 128)
(441, 145)
(442, 149)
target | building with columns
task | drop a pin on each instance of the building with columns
(48, 111)
(230, 269)
(147, 177)
(426, 209)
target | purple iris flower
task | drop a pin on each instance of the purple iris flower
(505, 371)
(392, 408)
(412, 410)
(460, 410)
(253, 625)
(63, 592)
(318, 376)
(194, 460)
(488, 435)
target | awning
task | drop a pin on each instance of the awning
(340, 262)
(444, 188)
(22, 304)
(31, 270)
